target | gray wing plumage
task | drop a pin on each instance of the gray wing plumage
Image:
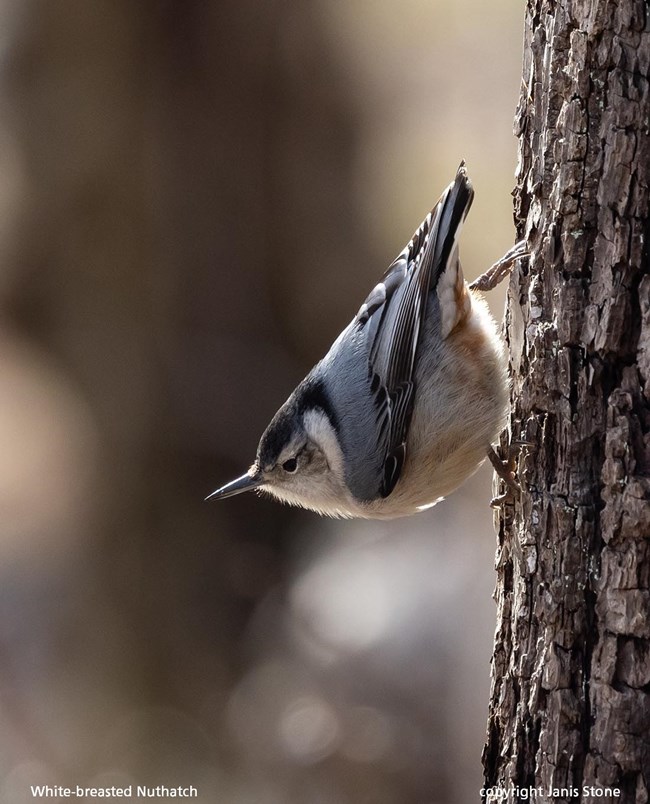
(392, 317)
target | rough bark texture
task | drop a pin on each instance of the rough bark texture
(570, 702)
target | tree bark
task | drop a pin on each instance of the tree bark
(570, 699)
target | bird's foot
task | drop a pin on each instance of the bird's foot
(498, 272)
(507, 471)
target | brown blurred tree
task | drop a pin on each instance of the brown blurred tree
(570, 700)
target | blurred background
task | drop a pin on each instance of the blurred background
(195, 197)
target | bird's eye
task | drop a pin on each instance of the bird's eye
(290, 465)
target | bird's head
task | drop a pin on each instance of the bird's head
(299, 460)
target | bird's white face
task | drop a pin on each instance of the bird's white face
(299, 461)
(308, 471)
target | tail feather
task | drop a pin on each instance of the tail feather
(447, 219)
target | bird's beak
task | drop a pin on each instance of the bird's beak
(246, 482)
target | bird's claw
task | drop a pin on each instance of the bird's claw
(498, 272)
(506, 470)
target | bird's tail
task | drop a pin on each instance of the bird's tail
(438, 233)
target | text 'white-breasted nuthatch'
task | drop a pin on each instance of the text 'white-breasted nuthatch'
(406, 403)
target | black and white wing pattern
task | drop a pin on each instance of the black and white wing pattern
(393, 315)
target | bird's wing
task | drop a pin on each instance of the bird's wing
(393, 315)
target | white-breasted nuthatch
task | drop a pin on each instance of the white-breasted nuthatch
(406, 403)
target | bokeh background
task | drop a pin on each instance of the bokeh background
(194, 199)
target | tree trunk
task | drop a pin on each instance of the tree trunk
(570, 699)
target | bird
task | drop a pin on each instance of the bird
(408, 400)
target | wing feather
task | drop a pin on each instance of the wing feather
(394, 313)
